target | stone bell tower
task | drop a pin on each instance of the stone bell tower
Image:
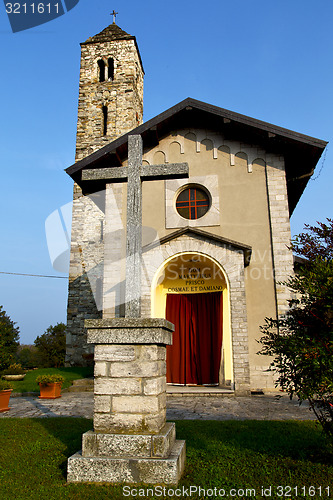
(110, 104)
(111, 89)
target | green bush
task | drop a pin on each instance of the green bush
(9, 340)
(51, 347)
(14, 369)
(302, 341)
(50, 379)
(4, 385)
(27, 356)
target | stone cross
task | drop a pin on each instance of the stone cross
(114, 13)
(135, 174)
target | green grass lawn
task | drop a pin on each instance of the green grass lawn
(232, 455)
(28, 384)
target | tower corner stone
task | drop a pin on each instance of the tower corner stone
(110, 104)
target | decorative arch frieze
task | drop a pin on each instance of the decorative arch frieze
(214, 143)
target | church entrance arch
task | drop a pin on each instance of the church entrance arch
(191, 291)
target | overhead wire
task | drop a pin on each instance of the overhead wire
(35, 275)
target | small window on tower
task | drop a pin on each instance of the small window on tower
(110, 69)
(101, 65)
(105, 120)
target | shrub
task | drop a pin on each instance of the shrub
(302, 341)
(9, 340)
(14, 369)
(27, 356)
(50, 379)
(51, 346)
(4, 385)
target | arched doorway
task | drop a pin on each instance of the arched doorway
(191, 291)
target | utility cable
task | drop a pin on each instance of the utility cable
(35, 275)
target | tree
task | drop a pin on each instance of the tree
(51, 346)
(27, 356)
(302, 341)
(9, 340)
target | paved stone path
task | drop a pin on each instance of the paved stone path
(263, 407)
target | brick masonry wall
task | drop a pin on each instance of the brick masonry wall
(123, 97)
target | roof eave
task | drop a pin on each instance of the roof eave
(187, 103)
(301, 152)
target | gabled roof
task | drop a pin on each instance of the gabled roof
(205, 236)
(301, 152)
(110, 33)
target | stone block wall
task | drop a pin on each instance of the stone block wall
(282, 257)
(130, 388)
(280, 228)
(85, 276)
(123, 97)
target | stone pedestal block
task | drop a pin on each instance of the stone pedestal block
(128, 470)
(131, 441)
(129, 445)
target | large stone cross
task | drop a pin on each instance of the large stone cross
(134, 174)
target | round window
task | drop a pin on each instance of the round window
(192, 202)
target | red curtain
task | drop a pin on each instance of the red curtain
(195, 354)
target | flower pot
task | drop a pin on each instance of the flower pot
(50, 391)
(4, 400)
(14, 377)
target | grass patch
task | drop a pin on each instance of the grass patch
(28, 384)
(229, 455)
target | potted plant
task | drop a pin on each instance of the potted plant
(50, 385)
(5, 391)
(14, 372)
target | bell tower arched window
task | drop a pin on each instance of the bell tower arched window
(105, 120)
(101, 66)
(110, 69)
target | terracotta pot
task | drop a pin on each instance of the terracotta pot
(4, 400)
(50, 391)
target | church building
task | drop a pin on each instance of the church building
(215, 244)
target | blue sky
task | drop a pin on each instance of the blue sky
(271, 60)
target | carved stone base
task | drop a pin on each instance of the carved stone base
(131, 441)
(128, 470)
(129, 445)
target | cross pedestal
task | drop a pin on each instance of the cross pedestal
(131, 441)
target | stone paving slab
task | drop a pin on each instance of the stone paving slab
(263, 407)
